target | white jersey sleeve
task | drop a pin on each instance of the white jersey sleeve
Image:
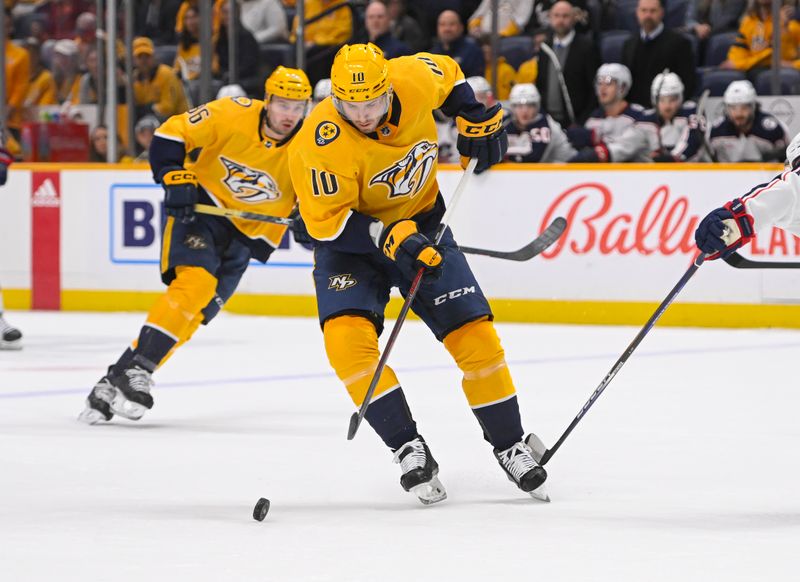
(776, 203)
(631, 146)
(559, 149)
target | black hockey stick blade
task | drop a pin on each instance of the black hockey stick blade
(550, 235)
(738, 261)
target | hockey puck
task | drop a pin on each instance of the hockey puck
(261, 509)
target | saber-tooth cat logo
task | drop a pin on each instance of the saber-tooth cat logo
(406, 177)
(341, 282)
(249, 185)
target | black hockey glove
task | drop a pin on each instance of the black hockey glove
(663, 157)
(299, 230)
(411, 250)
(180, 193)
(581, 137)
(5, 162)
(482, 136)
(724, 230)
(598, 153)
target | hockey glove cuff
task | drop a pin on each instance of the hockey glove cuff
(483, 137)
(724, 230)
(180, 193)
(411, 250)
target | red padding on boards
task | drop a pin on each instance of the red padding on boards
(46, 244)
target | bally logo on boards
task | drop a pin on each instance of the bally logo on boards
(46, 195)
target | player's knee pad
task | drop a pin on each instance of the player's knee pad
(186, 296)
(478, 353)
(351, 343)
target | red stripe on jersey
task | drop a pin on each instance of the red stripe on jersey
(46, 244)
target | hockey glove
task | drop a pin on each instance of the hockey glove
(180, 193)
(724, 230)
(598, 153)
(411, 250)
(5, 162)
(299, 230)
(580, 137)
(482, 136)
(663, 157)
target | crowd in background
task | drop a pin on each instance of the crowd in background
(52, 59)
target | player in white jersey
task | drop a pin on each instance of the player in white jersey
(745, 133)
(611, 134)
(673, 128)
(10, 337)
(534, 136)
(774, 203)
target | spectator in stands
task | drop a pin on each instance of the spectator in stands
(60, 16)
(752, 51)
(186, 4)
(187, 57)
(85, 91)
(156, 19)
(265, 19)
(505, 72)
(405, 28)
(452, 42)
(65, 69)
(247, 53)
(655, 48)
(42, 88)
(540, 20)
(745, 133)
(323, 37)
(534, 136)
(376, 22)
(17, 78)
(612, 132)
(98, 146)
(579, 60)
(706, 18)
(156, 88)
(512, 18)
(144, 130)
(85, 36)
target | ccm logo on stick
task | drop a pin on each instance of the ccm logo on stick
(453, 295)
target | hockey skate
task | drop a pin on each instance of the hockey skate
(98, 407)
(523, 470)
(420, 471)
(10, 337)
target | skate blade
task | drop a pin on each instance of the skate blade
(126, 408)
(540, 493)
(430, 492)
(11, 346)
(91, 416)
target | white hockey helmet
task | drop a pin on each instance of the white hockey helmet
(739, 93)
(666, 85)
(618, 73)
(479, 84)
(322, 89)
(793, 152)
(231, 91)
(525, 94)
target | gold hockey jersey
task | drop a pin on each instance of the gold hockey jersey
(236, 164)
(389, 174)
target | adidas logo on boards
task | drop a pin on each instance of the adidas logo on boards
(46, 195)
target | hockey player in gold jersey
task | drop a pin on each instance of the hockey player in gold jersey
(364, 169)
(231, 153)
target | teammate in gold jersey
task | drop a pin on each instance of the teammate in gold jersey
(364, 169)
(231, 153)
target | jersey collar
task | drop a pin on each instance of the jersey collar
(393, 120)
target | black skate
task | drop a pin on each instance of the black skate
(98, 403)
(420, 471)
(522, 469)
(131, 392)
(10, 337)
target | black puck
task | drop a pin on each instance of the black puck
(261, 509)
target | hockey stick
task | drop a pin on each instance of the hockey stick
(357, 417)
(550, 235)
(701, 114)
(542, 454)
(738, 261)
(560, 74)
(231, 212)
(533, 248)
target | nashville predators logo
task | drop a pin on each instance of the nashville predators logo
(341, 282)
(406, 177)
(249, 185)
(327, 131)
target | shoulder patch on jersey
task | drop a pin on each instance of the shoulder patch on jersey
(243, 101)
(326, 132)
(769, 123)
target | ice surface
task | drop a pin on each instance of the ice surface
(686, 468)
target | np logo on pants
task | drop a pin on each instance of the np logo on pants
(341, 282)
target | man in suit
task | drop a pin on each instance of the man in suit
(579, 61)
(654, 49)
